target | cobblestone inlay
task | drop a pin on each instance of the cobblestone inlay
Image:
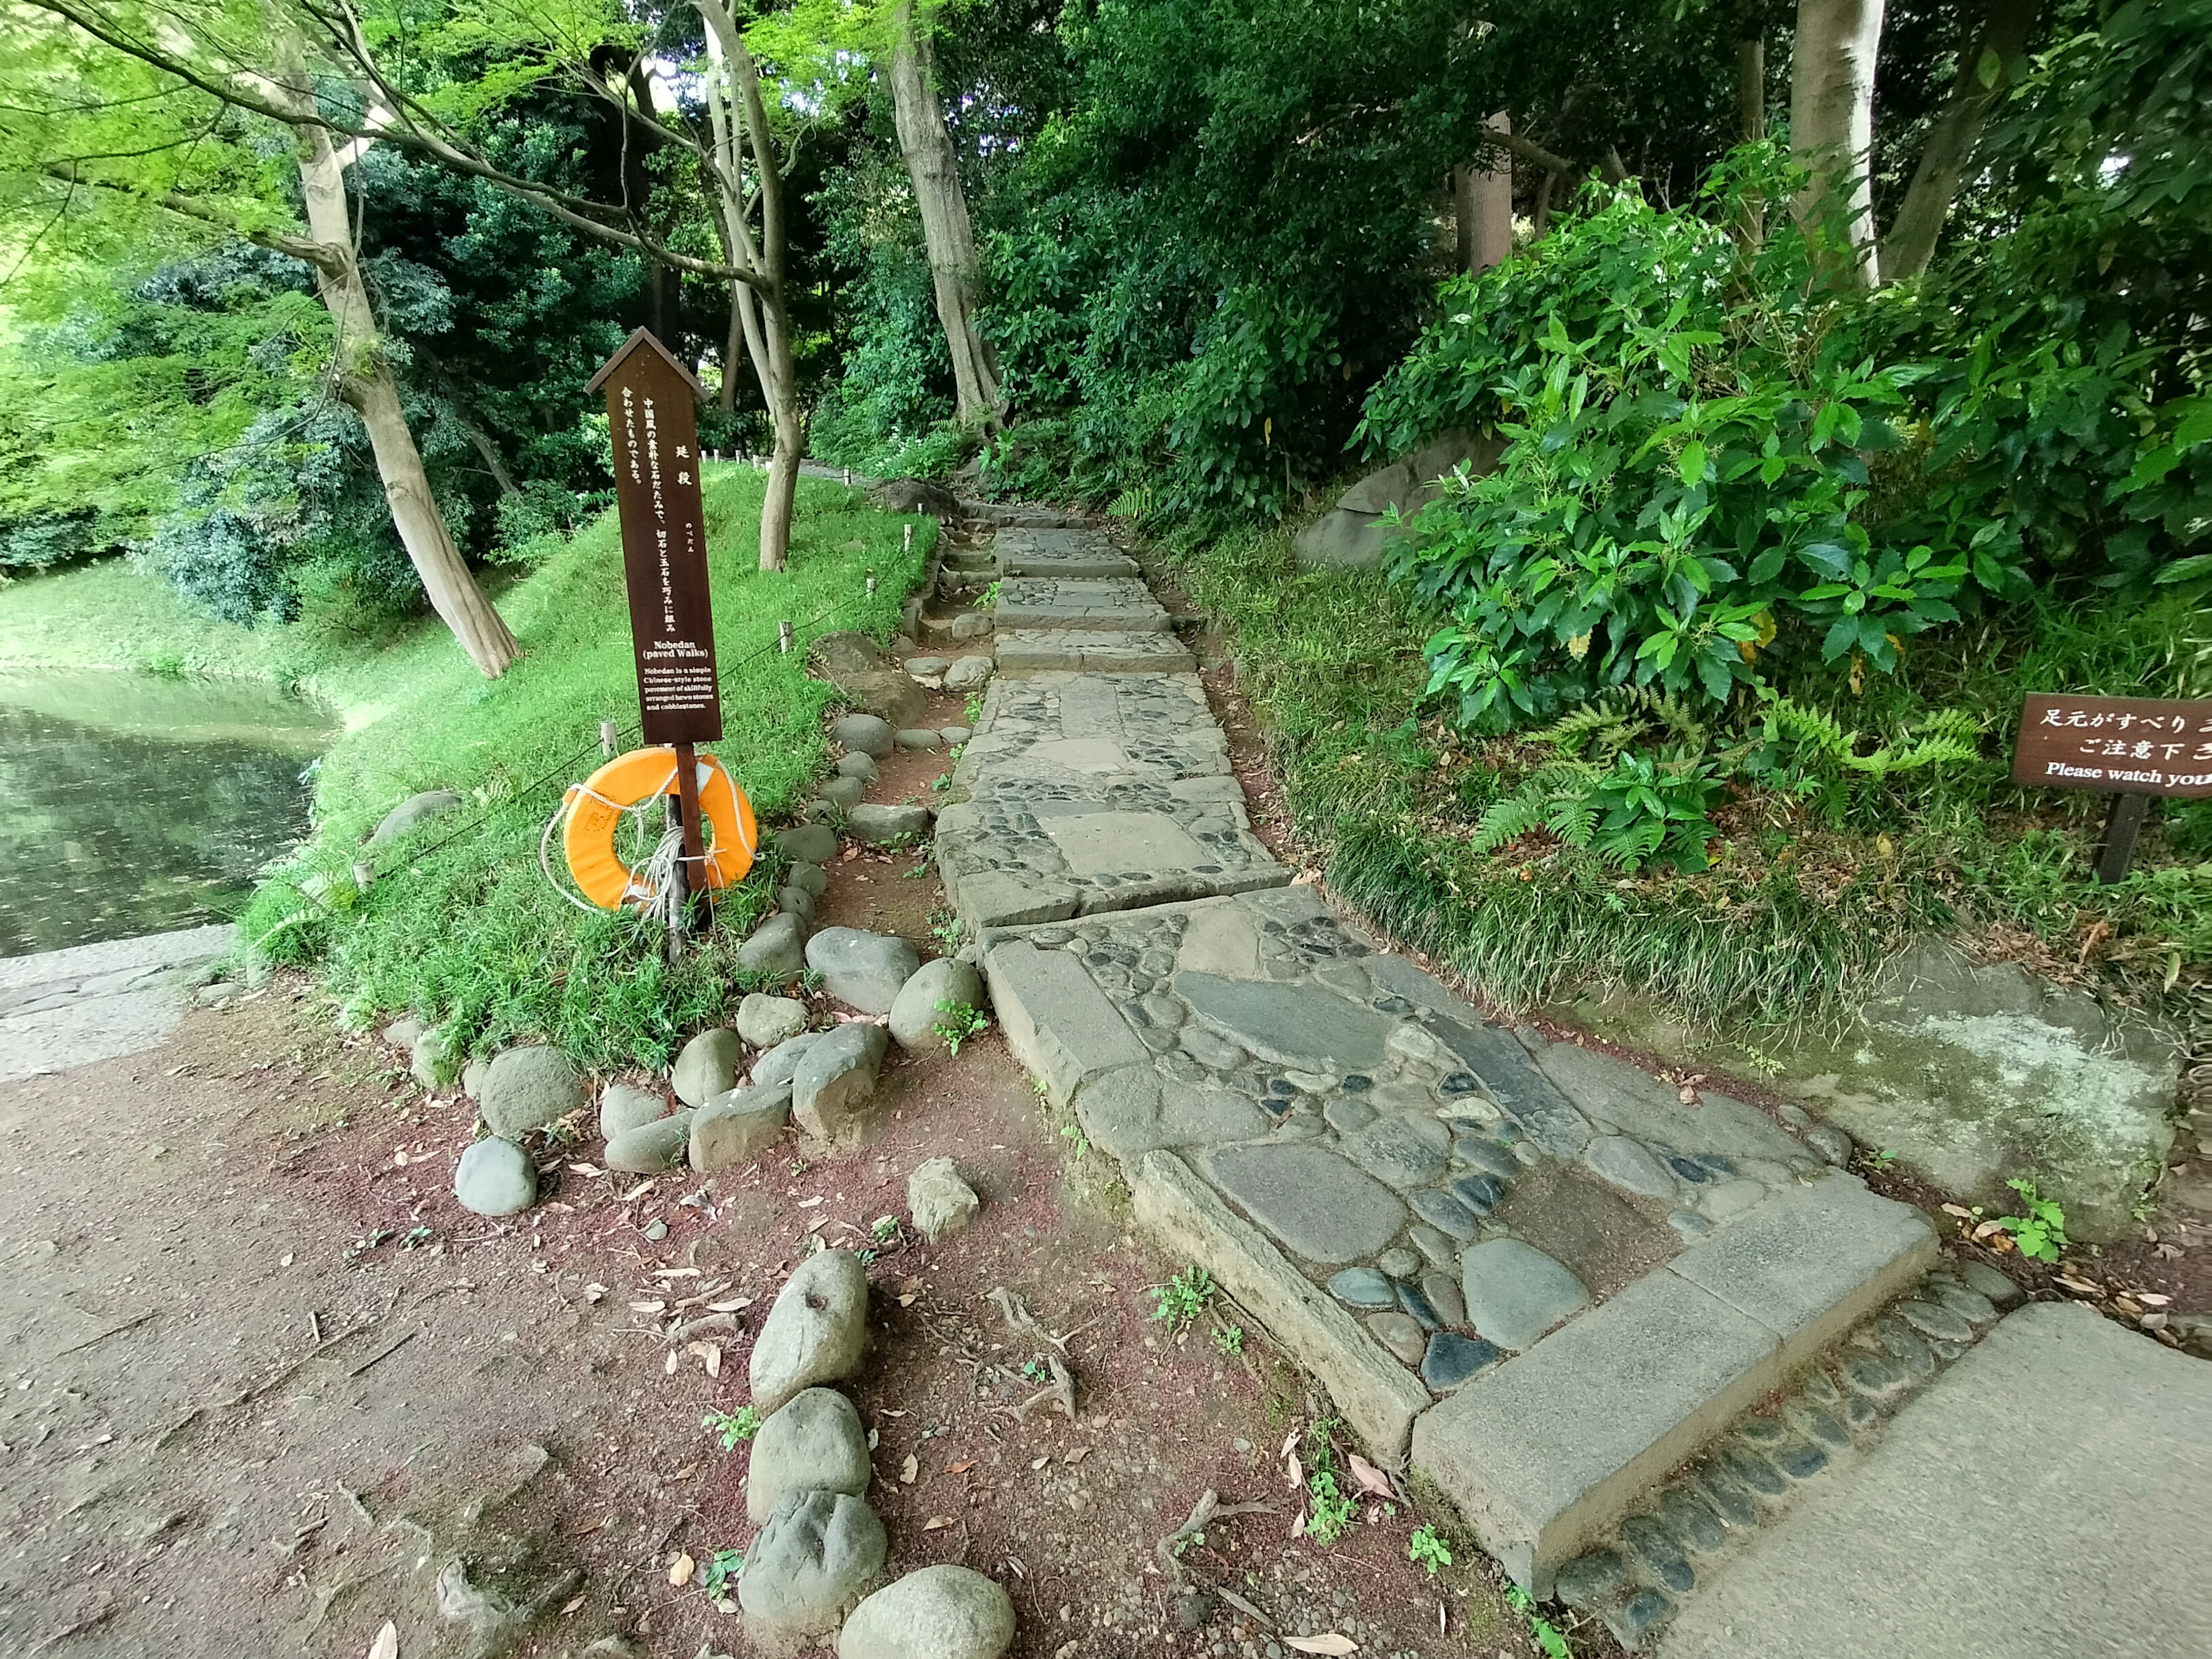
(1372, 1126)
(1111, 603)
(1066, 553)
(1675, 1540)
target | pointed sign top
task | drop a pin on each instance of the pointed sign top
(643, 338)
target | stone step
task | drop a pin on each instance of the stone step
(1545, 1452)
(1066, 553)
(1593, 1276)
(1019, 514)
(1034, 650)
(1108, 603)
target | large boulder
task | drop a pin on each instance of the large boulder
(815, 1332)
(916, 496)
(780, 1063)
(737, 1127)
(914, 1013)
(709, 1064)
(1973, 1074)
(809, 843)
(816, 1556)
(1355, 532)
(968, 673)
(528, 1088)
(815, 1443)
(861, 969)
(943, 1612)
(496, 1177)
(623, 1107)
(836, 1078)
(413, 812)
(871, 684)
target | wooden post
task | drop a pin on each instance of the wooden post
(691, 870)
(2122, 825)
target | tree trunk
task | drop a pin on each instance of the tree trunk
(1832, 133)
(1751, 119)
(954, 266)
(1987, 61)
(365, 383)
(760, 314)
(1482, 204)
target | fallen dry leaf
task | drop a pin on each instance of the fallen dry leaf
(2152, 1299)
(909, 1469)
(387, 1645)
(907, 1301)
(1329, 1643)
(675, 1272)
(669, 1368)
(960, 1468)
(589, 1172)
(1294, 1471)
(648, 1307)
(710, 1355)
(680, 1574)
(937, 1522)
(1077, 1455)
(1959, 1211)
(637, 1192)
(1037, 1463)
(1370, 1478)
(595, 1293)
(571, 1605)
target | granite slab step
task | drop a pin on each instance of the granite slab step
(1548, 1451)
(1108, 603)
(1095, 723)
(1064, 553)
(1043, 650)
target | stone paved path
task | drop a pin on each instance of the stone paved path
(1534, 1274)
(63, 1008)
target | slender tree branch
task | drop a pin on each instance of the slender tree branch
(1529, 150)
(305, 249)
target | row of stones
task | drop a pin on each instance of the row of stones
(1008, 834)
(1663, 1551)
(821, 1545)
(1156, 722)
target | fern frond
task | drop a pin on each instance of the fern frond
(1508, 820)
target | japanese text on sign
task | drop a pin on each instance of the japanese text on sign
(2129, 746)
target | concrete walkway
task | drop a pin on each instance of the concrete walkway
(65, 1008)
(2049, 1494)
(1530, 1273)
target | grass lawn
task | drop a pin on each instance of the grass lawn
(1802, 898)
(460, 928)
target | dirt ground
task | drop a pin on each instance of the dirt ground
(267, 1386)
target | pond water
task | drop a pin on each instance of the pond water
(131, 805)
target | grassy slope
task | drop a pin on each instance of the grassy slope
(1794, 909)
(469, 935)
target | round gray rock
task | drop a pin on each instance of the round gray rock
(945, 1611)
(940, 1202)
(525, 1089)
(472, 1078)
(413, 812)
(864, 734)
(816, 1332)
(880, 823)
(738, 1126)
(970, 674)
(403, 1032)
(955, 734)
(1515, 1293)
(918, 737)
(815, 1443)
(1832, 1143)
(856, 765)
(969, 625)
(844, 793)
(927, 668)
(835, 1078)
(652, 1148)
(914, 1012)
(623, 1107)
(709, 1064)
(765, 1021)
(496, 1177)
(810, 879)
(780, 1063)
(863, 969)
(777, 948)
(796, 901)
(1626, 1164)
(810, 843)
(815, 1558)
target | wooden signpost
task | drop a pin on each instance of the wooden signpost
(2131, 748)
(652, 419)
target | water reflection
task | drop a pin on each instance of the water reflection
(131, 806)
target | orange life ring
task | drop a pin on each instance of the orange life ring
(596, 806)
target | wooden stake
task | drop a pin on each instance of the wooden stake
(2122, 825)
(695, 840)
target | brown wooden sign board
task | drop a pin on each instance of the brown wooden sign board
(652, 417)
(2122, 745)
